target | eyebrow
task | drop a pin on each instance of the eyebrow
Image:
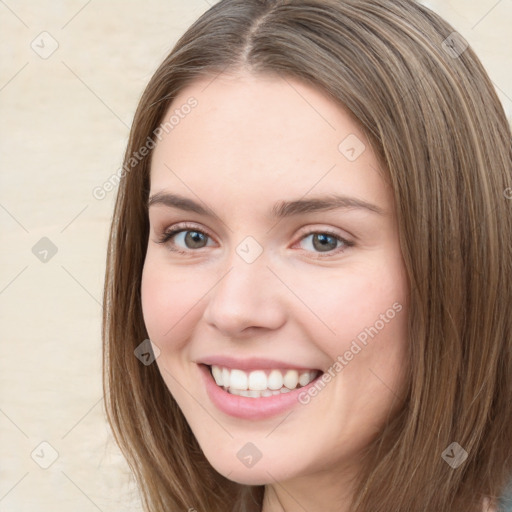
(280, 210)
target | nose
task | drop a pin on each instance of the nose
(246, 299)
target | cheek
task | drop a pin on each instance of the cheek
(355, 304)
(171, 303)
(374, 340)
(367, 310)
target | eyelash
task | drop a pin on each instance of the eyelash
(166, 237)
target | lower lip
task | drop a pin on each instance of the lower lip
(250, 408)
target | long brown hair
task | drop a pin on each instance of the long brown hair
(432, 116)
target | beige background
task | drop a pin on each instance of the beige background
(64, 126)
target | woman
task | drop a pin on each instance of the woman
(314, 231)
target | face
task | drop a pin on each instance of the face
(273, 284)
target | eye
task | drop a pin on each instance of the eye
(191, 239)
(324, 242)
(183, 240)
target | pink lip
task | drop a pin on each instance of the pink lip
(253, 363)
(250, 408)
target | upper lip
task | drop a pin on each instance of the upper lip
(253, 363)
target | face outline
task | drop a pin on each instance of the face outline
(290, 304)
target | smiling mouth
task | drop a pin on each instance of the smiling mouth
(261, 383)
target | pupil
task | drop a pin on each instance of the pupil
(324, 242)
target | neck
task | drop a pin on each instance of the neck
(318, 493)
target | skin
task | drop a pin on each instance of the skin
(251, 142)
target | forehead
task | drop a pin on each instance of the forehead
(263, 137)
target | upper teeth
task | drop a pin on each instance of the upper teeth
(260, 380)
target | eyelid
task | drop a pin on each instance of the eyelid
(311, 230)
(184, 226)
(318, 228)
